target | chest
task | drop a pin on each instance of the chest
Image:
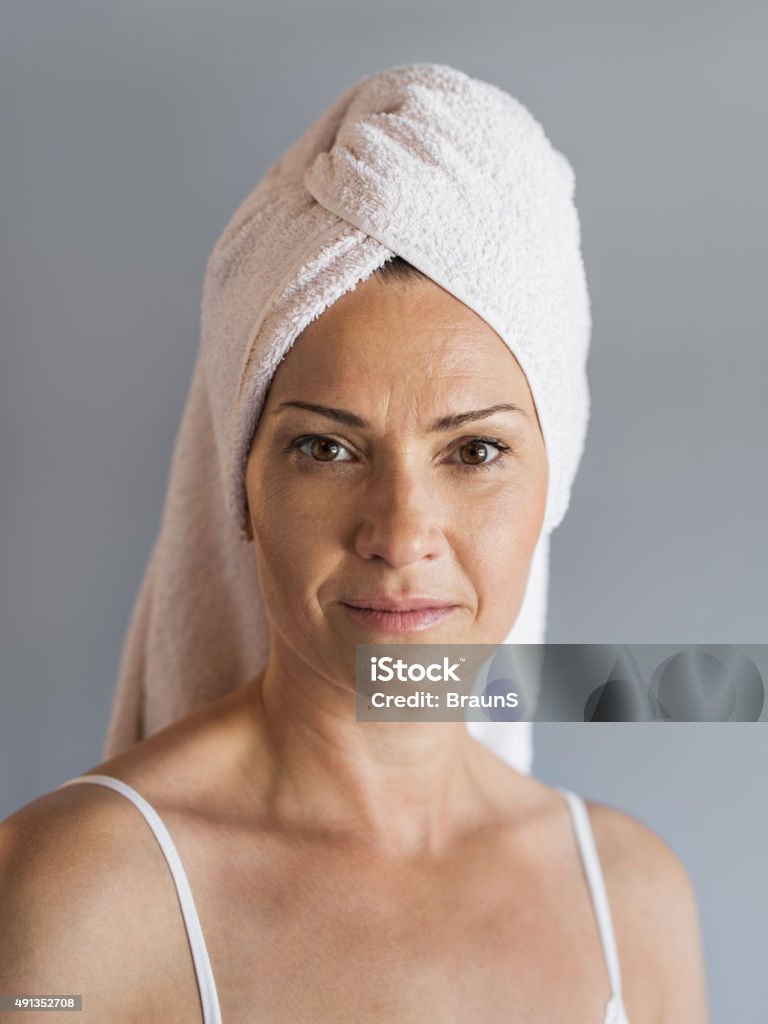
(311, 936)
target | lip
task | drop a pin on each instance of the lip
(391, 604)
(407, 616)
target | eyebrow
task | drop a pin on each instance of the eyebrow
(351, 419)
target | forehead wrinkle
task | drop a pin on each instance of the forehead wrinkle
(440, 391)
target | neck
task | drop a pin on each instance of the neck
(403, 787)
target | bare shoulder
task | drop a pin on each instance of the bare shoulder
(634, 852)
(84, 892)
(656, 919)
(72, 834)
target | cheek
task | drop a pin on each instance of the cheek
(295, 535)
(496, 540)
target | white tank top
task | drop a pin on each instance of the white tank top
(614, 1008)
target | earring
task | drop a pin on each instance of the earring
(245, 535)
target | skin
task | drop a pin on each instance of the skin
(377, 872)
(389, 513)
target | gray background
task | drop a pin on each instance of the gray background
(130, 133)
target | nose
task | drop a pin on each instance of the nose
(400, 519)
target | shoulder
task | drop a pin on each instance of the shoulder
(64, 836)
(639, 866)
(630, 850)
(655, 914)
(78, 875)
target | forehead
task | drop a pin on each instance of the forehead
(401, 335)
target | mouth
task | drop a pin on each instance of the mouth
(404, 616)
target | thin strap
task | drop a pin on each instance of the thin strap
(594, 873)
(205, 981)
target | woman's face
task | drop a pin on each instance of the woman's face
(405, 490)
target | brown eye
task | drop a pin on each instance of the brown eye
(477, 450)
(324, 449)
(321, 448)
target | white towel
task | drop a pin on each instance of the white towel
(457, 177)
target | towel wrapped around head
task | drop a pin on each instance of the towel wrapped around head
(421, 161)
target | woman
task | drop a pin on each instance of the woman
(392, 437)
